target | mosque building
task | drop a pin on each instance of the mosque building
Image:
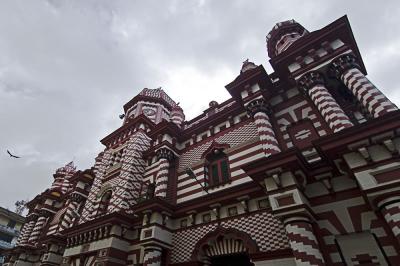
(298, 167)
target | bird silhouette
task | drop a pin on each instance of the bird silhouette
(12, 155)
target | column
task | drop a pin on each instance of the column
(164, 156)
(37, 229)
(152, 256)
(313, 83)
(390, 209)
(127, 190)
(303, 242)
(27, 229)
(71, 212)
(348, 71)
(259, 110)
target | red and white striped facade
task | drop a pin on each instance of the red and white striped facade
(303, 242)
(152, 256)
(161, 183)
(298, 167)
(334, 116)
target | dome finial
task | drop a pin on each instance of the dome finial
(247, 65)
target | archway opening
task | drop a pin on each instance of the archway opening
(104, 202)
(225, 246)
(239, 259)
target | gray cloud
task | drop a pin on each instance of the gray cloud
(67, 67)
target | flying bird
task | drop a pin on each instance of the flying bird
(12, 155)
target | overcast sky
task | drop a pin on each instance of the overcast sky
(68, 67)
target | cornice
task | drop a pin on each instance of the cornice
(131, 124)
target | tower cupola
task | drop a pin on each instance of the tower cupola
(282, 35)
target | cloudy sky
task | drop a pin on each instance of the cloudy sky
(67, 67)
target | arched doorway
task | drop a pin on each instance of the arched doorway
(231, 260)
(225, 246)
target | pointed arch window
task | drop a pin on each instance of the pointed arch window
(216, 166)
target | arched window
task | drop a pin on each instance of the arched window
(216, 168)
(104, 202)
(216, 164)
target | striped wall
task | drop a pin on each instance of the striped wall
(100, 169)
(301, 109)
(233, 136)
(348, 216)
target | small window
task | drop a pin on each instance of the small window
(184, 223)
(148, 233)
(263, 204)
(232, 211)
(105, 201)
(206, 218)
(103, 253)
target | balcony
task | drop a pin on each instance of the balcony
(9, 230)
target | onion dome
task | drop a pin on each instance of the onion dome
(213, 104)
(282, 35)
